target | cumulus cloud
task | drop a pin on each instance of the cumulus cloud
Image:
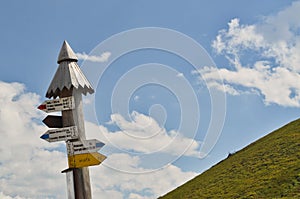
(3, 196)
(30, 167)
(264, 58)
(101, 58)
(25, 168)
(144, 135)
(147, 185)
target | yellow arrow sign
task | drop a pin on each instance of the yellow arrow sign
(85, 160)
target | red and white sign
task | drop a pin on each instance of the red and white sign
(60, 104)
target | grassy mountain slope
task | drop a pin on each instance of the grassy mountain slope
(267, 168)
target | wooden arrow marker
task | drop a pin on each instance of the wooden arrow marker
(53, 121)
(85, 160)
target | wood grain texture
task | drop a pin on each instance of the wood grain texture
(74, 117)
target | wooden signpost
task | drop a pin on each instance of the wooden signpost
(69, 83)
(61, 134)
(85, 159)
(84, 146)
(61, 104)
(53, 121)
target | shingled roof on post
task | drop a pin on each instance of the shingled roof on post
(68, 74)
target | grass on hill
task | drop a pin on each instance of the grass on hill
(267, 168)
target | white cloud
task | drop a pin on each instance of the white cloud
(136, 98)
(180, 75)
(30, 167)
(27, 169)
(136, 196)
(145, 185)
(144, 135)
(101, 58)
(3, 196)
(265, 58)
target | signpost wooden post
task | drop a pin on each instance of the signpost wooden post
(60, 104)
(61, 134)
(86, 159)
(81, 176)
(84, 146)
(69, 83)
(53, 121)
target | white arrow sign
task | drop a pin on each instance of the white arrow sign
(61, 134)
(84, 146)
(61, 104)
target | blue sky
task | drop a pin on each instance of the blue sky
(159, 69)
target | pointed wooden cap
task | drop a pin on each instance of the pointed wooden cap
(68, 75)
(66, 53)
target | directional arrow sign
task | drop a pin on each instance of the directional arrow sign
(61, 104)
(85, 160)
(53, 121)
(62, 134)
(84, 146)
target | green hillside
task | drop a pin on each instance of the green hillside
(267, 168)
